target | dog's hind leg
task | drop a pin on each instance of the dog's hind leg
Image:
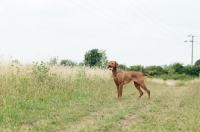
(138, 88)
(145, 88)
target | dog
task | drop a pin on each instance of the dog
(121, 78)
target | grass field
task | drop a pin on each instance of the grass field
(41, 98)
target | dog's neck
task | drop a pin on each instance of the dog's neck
(115, 72)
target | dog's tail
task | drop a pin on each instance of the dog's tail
(145, 74)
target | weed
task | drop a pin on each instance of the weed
(181, 83)
(41, 97)
(40, 71)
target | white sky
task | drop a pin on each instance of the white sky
(133, 32)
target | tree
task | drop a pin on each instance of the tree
(137, 68)
(123, 67)
(178, 67)
(154, 70)
(95, 57)
(197, 63)
(53, 61)
(192, 70)
(104, 59)
(68, 63)
(15, 61)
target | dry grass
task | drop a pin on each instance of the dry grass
(36, 97)
(73, 71)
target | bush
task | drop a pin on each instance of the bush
(174, 77)
(123, 67)
(197, 63)
(192, 70)
(154, 70)
(68, 63)
(40, 71)
(137, 68)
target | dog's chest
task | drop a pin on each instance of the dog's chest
(117, 80)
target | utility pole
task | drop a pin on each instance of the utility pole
(192, 46)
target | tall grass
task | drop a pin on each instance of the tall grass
(38, 92)
(39, 97)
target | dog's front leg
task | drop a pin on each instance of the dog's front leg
(120, 91)
(117, 90)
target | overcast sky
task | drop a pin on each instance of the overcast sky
(133, 32)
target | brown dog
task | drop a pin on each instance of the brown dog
(123, 77)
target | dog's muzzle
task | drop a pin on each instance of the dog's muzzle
(110, 68)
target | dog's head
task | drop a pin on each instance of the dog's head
(112, 65)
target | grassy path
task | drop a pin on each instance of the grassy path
(85, 100)
(165, 112)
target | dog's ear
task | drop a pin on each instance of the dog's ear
(116, 64)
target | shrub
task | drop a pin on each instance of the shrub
(40, 71)
(175, 77)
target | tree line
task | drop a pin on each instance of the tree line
(98, 58)
(92, 58)
(172, 71)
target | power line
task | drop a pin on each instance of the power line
(126, 17)
(192, 46)
(159, 18)
(101, 17)
(118, 20)
(154, 20)
(155, 50)
(145, 20)
(145, 35)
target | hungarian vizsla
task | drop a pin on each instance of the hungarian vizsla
(123, 77)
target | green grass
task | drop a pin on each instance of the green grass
(175, 77)
(42, 98)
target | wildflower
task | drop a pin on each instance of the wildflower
(24, 77)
